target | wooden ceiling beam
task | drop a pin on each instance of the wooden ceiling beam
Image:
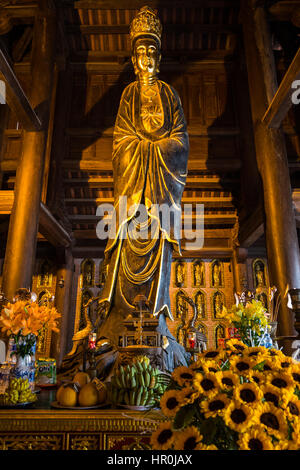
(16, 98)
(158, 4)
(282, 100)
(23, 10)
(252, 228)
(49, 227)
(168, 28)
(283, 10)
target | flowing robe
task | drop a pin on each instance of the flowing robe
(150, 168)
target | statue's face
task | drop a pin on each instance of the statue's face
(146, 56)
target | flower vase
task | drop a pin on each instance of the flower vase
(273, 330)
(25, 364)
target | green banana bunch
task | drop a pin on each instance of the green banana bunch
(138, 384)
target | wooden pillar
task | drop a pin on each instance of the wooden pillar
(23, 226)
(235, 270)
(63, 295)
(280, 226)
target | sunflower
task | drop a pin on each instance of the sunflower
(277, 353)
(296, 434)
(215, 405)
(295, 373)
(285, 363)
(273, 420)
(189, 439)
(269, 364)
(236, 345)
(242, 365)
(198, 365)
(207, 384)
(227, 379)
(202, 446)
(256, 376)
(238, 416)
(188, 395)
(210, 366)
(255, 438)
(293, 408)
(254, 351)
(215, 354)
(272, 394)
(183, 375)
(170, 402)
(281, 380)
(248, 393)
(163, 437)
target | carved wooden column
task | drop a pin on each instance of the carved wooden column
(280, 227)
(63, 294)
(23, 227)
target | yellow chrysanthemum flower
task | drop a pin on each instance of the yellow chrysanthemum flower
(183, 375)
(163, 437)
(207, 384)
(248, 393)
(214, 406)
(255, 438)
(227, 379)
(238, 416)
(170, 402)
(273, 419)
(188, 439)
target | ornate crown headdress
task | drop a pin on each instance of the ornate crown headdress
(146, 22)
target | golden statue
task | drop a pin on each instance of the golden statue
(259, 275)
(218, 304)
(150, 154)
(216, 275)
(199, 274)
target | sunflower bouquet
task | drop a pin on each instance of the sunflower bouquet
(238, 398)
(24, 320)
(250, 321)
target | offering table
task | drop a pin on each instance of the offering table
(41, 427)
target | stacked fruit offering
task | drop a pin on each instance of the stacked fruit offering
(18, 391)
(81, 392)
(138, 384)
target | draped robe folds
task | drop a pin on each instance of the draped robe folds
(150, 168)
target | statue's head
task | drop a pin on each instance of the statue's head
(145, 35)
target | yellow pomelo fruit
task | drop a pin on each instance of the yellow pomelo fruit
(68, 396)
(82, 378)
(88, 395)
(58, 393)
